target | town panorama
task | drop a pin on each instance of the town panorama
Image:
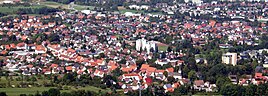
(133, 47)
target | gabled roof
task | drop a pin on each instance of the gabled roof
(40, 48)
(258, 75)
(144, 66)
(170, 69)
(69, 68)
(199, 82)
(159, 71)
(131, 74)
(22, 44)
(54, 65)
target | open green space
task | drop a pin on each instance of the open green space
(18, 91)
(81, 7)
(54, 4)
(65, 6)
(13, 10)
(33, 90)
(162, 48)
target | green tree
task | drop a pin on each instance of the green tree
(53, 92)
(192, 63)
(262, 90)
(213, 57)
(265, 53)
(117, 72)
(250, 90)
(23, 95)
(66, 94)
(165, 74)
(183, 90)
(218, 70)
(192, 75)
(221, 81)
(45, 93)
(171, 79)
(228, 90)
(254, 63)
(232, 90)
(3, 94)
(169, 49)
(185, 71)
(79, 93)
(37, 94)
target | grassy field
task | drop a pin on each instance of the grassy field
(54, 4)
(81, 7)
(18, 91)
(162, 48)
(65, 6)
(33, 90)
(12, 10)
(14, 82)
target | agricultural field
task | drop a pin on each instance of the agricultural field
(81, 7)
(54, 4)
(32, 90)
(65, 6)
(13, 10)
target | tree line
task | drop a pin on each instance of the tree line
(56, 92)
(43, 10)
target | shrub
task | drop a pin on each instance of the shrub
(65, 87)
(103, 86)
(3, 94)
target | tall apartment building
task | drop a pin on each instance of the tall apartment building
(143, 44)
(229, 58)
(140, 44)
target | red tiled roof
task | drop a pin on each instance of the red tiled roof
(40, 48)
(170, 69)
(54, 65)
(199, 82)
(258, 74)
(131, 74)
(212, 23)
(21, 44)
(69, 68)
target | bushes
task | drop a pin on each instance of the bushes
(3, 94)
(66, 87)
(2, 85)
(56, 92)
(102, 86)
(62, 1)
(23, 95)
(2, 14)
(48, 84)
